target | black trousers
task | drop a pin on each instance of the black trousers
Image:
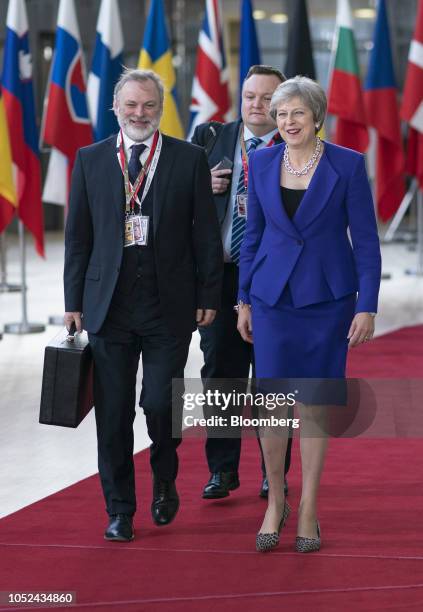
(227, 356)
(116, 353)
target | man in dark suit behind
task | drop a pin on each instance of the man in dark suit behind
(226, 355)
(143, 267)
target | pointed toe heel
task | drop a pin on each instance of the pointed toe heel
(268, 541)
(306, 545)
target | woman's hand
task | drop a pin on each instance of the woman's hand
(362, 328)
(244, 325)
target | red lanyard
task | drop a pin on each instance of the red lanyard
(131, 191)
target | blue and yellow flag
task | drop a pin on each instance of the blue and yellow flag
(156, 55)
(7, 188)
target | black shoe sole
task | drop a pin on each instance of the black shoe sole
(223, 494)
(215, 495)
(118, 538)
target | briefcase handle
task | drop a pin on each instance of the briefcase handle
(71, 332)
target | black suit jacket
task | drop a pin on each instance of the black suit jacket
(222, 146)
(187, 242)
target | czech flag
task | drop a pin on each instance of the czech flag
(380, 97)
(19, 104)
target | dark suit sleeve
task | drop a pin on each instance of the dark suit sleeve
(78, 239)
(206, 238)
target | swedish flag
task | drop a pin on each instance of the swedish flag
(156, 55)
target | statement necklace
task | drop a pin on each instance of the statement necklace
(308, 165)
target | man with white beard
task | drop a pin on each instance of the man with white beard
(143, 268)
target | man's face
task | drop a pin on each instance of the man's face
(256, 95)
(137, 108)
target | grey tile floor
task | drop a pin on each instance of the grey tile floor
(37, 460)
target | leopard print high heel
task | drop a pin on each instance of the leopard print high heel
(268, 541)
(305, 545)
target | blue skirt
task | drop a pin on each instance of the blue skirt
(308, 342)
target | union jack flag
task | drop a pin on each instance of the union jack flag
(210, 99)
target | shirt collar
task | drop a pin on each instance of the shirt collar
(266, 138)
(128, 142)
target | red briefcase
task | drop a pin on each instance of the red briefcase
(67, 388)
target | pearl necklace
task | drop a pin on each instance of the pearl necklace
(308, 165)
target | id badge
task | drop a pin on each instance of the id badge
(241, 204)
(144, 227)
(129, 233)
(138, 233)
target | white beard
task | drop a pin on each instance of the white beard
(138, 134)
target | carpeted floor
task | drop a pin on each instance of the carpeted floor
(370, 512)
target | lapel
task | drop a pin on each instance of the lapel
(269, 187)
(318, 193)
(115, 179)
(161, 179)
(315, 198)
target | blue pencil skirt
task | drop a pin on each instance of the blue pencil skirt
(308, 342)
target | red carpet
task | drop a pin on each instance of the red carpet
(370, 513)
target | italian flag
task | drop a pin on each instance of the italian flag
(345, 99)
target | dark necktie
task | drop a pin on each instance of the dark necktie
(238, 223)
(134, 165)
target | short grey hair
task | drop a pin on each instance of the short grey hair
(310, 92)
(141, 76)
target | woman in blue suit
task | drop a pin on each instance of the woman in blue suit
(309, 278)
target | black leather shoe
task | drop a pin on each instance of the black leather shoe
(220, 484)
(120, 528)
(165, 502)
(264, 491)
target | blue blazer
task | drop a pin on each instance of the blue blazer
(311, 253)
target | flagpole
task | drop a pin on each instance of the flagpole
(399, 215)
(23, 327)
(419, 270)
(5, 287)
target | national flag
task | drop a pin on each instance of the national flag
(19, 104)
(7, 187)
(66, 123)
(345, 97)
(412, 101)
(105, 70)
(300, 52)
(210, 99)
(249, 48)
(380, 97)
(156, 55)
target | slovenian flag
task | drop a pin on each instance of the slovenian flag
(19, 104)
(66, 122)
(105, 70)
